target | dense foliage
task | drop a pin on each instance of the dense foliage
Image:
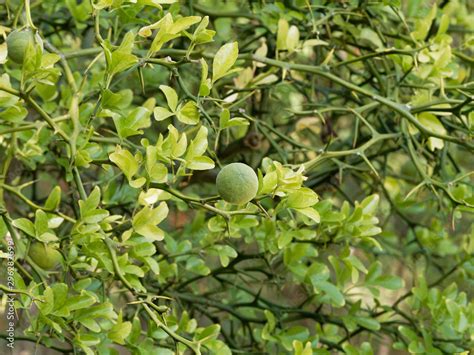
(357, 116)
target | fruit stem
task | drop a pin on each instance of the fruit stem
(29, 20)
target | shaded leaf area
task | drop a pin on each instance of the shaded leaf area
(357, 117)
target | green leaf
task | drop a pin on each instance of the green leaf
(41, 223)
(6, 99)
(137, 183)
(103, 310)
(205, 334)
(198, 266)
(146, 220)
(282, 33)
(205, 85)
(356, 263)
(147, 31)
(116, 101)
(183, 23)
(198, 145)
(423, 25)
(144, 249)
(310, 213)
(368, 323)
(372, 37)
(369, 204)
(54, 199)
(225, 121)
(218, 347)
(201, 33)
(374, 277)
(299, 350)
(161, 113)
(408, 333)
(333, 294)
(80, 11)
(90, 324)
(416, 347)
(122, 58)
(461, 322)
(133, 122)
(158, 172)
(171, 97)
(47, 306)
(302, 198)
(47, 237)
(224, 252)
(167, 30)
(188, 113)
(84, 300)
(374, 272)
(15, 113)
(200, 163)
(314, 42)
(432, 123)
(60, 291)
(90, 213)
(194, 158)
(25, 225)
(292, 38)
(443, 25)
(152, 264)
(388, 282)
(224, 59)
(366, 349)
(125, 161)
(133, 269)
(317, 272)
(175, 142)
(119, 332)
(290, 334)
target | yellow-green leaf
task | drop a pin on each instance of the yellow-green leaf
(224, 60)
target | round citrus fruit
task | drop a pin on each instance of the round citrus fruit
(18, 43)
(237, 183)
(45, 256)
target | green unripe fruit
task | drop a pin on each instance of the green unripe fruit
(45, 256)
(237, 183)
(18, 43)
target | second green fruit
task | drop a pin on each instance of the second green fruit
(45, 256)
(18, 43)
